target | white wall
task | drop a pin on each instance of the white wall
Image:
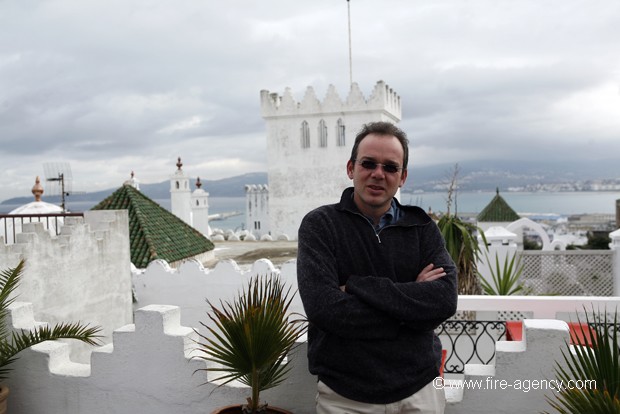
(147, 369)
(82, 275)
(190, 285)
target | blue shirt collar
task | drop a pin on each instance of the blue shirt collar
(389, 217)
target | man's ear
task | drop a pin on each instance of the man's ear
(403, 178)
(350, 166)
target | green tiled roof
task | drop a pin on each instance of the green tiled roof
(498, 210)
(154, 232)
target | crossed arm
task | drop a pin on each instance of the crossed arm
(368, 306)
(428, 274)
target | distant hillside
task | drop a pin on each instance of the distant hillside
(488, 175)
(226, 187)
(473, 176)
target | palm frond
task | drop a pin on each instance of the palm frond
(598, 364)
(252, 337)
(9, 279)
(11, 344)
(462, 245)
(506, 278)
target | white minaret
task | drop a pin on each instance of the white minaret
(309, 143)
(257, 209)
(200, 209)
(180, 195)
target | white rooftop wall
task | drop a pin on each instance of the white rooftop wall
(82, 275)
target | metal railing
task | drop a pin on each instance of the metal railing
(469, 342)
(12, 224)
(473, 342)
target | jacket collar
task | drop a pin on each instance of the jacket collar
(412, 215)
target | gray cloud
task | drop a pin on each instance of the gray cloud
(124, 85)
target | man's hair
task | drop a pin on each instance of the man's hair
(382, 128)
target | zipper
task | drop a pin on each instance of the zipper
(373, 227)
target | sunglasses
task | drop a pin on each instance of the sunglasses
(371, 165)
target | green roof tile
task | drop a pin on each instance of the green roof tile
(154, 232)
(498, 210)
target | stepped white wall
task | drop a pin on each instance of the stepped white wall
(83, 274)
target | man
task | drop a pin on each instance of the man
(375, 280)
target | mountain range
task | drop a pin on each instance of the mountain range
(471, 176)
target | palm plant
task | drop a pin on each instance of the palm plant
(252, 337)
(12, 343)
(462, 244)
(505, 279)
(599, 364)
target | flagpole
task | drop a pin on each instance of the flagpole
(350, 55)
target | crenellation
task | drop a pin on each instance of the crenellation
(382, 97)
(332, 101)
(310, 103)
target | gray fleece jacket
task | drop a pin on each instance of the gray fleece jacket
(375, 343)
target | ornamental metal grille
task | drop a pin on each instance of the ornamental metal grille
(568, 272)
(469, 342)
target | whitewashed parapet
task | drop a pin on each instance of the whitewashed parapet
(521, 376)
(73, 276)
(190, 285)
(541, 307)
(382, 98)
(148, 368)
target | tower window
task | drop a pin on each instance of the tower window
(322, 134)
(340, 133)
(305, 135)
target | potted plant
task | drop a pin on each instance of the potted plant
(12, 343)
(593, 367)
(250, 340)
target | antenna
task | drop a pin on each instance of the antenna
(350, 56)
(60, 174)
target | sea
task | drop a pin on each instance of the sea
(549, 204)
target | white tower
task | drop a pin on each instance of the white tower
(200, 209)
(180, 195)
(309, 143)
(257, 209)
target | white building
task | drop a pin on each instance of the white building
(257, 210)
(180, 194)
(200, 209)
(308, 144)
(191, 207)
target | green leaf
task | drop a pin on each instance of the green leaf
(12, 343)
(252, 336)
(598, 363)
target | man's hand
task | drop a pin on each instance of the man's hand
(429, 273)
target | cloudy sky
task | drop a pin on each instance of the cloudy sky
(119, 85)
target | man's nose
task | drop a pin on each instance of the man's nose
(378, 172)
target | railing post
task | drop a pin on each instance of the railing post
(615, 248)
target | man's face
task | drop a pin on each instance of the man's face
(374, 188)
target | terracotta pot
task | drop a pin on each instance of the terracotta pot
(4, 393)
(236, 409)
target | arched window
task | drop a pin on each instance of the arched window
(305, 135)
(177, 185)
(322, 134)
(340, 133)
